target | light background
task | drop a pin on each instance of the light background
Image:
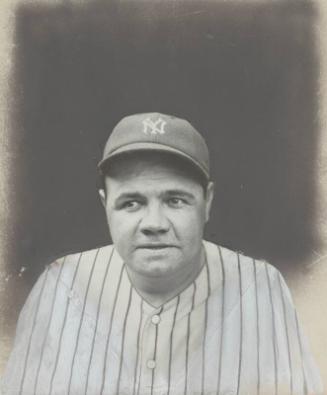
(250, 75)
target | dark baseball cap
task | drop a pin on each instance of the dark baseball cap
(157, 132)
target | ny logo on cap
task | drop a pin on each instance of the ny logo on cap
(154, 127)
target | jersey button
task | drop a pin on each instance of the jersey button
(151, 364)
(155, 319)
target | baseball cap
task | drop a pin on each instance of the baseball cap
(157, 132)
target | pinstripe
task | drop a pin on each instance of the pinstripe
(97, 319)
(287, 333)
(109, 333)
(123, 339)
(188, 338)
(48, 325)
(81, 322)
(32, 330)
(305, 385)
(205, 328)
(273, 329)
(155, 350)
(138, 346)
(241, 324)
(171, 343)
(221, 319)
(257, 325)
(64, 322)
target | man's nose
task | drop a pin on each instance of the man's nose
(154, 220)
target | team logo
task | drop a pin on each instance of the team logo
(154, 127)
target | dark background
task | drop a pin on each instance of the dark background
(244, 73)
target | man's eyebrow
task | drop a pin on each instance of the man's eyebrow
(129, 195)
(179, 192)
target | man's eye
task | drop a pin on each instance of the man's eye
(131, 205)
(176, 202)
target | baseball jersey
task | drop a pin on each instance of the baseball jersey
(85, 329)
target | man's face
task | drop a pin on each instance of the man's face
(156, 215)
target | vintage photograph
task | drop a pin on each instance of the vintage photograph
(163, 221)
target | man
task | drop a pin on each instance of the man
(160, 311)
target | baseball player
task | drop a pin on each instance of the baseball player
(161, 311)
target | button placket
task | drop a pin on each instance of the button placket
(155, 320)
(149, 340)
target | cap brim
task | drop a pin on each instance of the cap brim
(144, 146)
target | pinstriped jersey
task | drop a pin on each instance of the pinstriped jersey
(84, 329)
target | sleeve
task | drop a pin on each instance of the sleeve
(305, 374)
(32, 324)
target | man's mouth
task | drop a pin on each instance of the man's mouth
(154, 246)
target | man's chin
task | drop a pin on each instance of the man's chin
(156, 267)
(156, 254)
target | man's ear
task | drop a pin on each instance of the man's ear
(102, 195)
(209, 199)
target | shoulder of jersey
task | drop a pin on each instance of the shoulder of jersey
(237, 267)
(82, 262)
(72, 258)
(230, 256)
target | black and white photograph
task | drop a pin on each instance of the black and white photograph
(163, 216)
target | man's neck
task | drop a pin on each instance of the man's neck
(157, 291)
